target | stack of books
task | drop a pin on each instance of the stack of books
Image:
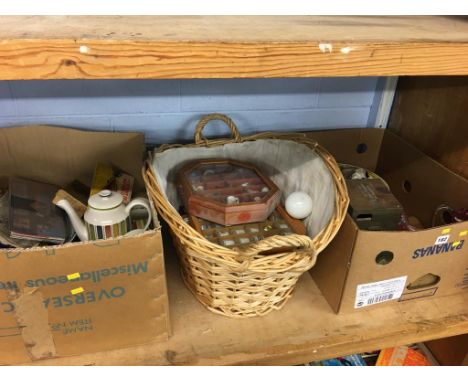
(32, 215)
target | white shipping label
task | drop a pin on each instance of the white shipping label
(442, 239)
(380, 291)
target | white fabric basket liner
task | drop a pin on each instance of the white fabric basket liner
(291, 166)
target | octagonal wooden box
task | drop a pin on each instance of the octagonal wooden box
(227, 192)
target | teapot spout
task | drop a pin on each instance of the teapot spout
(77, 223)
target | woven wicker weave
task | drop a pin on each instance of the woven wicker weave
(244, 282)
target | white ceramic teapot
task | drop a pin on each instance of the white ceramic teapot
(106, 216)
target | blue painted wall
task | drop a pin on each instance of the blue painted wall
(167, 110)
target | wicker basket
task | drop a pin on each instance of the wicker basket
(245, 282)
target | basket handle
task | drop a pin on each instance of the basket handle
(199, 138)
(300, 245)
(294, 243)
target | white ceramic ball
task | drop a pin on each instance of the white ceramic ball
(298, 205)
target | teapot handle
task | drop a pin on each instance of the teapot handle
(143, 202)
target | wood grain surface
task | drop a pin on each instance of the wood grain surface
(431, 113)
(61, 47)
(305, 329)
(451, 351)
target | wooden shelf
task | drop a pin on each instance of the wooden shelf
(93, 47)
(158, 47)
(305, 329)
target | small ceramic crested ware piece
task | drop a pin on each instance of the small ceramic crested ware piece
(232, 200)
(106, 216)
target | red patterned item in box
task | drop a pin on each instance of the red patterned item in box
(227, 192)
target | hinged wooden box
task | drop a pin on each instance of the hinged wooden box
(227, 192)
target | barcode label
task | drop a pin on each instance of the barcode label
(375, 300)
(377, 292)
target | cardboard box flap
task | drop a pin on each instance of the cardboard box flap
(420, 183)
(359, 147)
(331, 272)
(32, 151)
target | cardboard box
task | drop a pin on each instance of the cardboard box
(366, 269)
(78, 297)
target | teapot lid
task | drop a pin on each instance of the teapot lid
(105, 200)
